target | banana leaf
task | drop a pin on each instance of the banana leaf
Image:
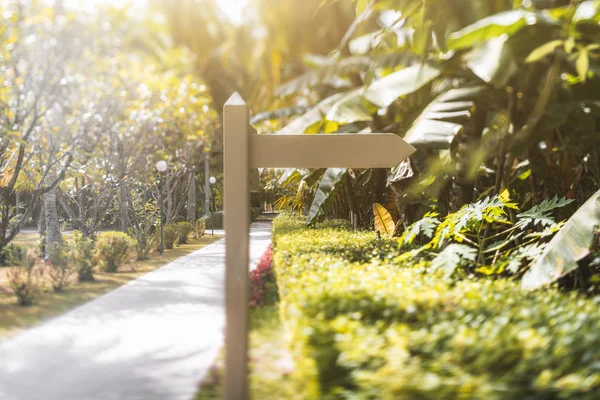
(570, 245)
(384, 224)
(388, 89)
(505, 23)
(323, 200)
(312, 117)
(442, 119)
(494, 62)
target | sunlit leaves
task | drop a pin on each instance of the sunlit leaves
(541, 214)
(504, 23)
(543, 51)
(567, 248)
(384, 224)
(386, 90)
(452, 257)
(425, 226)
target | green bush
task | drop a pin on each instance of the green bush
(145, 241)
(26, 279)
(83, 257)
(170, 233)
(214, 222)
(363, 325)
(61, 266)
(184, 231)
(12, 254)
(199, 228)
(112, 250)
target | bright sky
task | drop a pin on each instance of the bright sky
(233, 8)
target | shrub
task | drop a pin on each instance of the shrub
(262, 281)
(12, 255)
(214, 221)
(199, 228)
(170, 234)
(184, 231)
(145, 241)
(112, 250)
(61, 265)
(144, 220)
(363, 325)
(26, 279)
(83, 257)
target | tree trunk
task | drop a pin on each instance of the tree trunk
(42, 220)
(53, 234)
(124, 206)
(191, 200)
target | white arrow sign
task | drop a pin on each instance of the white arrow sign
(244, 149)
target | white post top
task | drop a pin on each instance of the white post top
(235, 100)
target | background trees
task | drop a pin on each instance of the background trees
(86, 110)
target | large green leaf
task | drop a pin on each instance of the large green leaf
(586, 17)
(388, 89)
(325, 193)
(312, 117)
(504, 23)
(350, 108)
(442, 119)
(571, 244)
(494, 62)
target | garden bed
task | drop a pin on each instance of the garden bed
(361, 323)
(14, 317)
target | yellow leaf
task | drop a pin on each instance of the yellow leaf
(582, 64)
(19, 81)
(384, 224)
(361, 6)
(505, 196)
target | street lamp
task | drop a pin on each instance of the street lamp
(161, 167)
(212, 181)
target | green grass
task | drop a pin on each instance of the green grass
(270, 363)
(50, 304)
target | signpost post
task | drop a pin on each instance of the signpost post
(244, 149)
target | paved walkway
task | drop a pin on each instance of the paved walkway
(153, 338)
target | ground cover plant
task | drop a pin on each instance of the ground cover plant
(367, 323)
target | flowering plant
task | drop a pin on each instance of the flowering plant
(263, 284)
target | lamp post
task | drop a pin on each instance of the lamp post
(161, 167)
(212, 181)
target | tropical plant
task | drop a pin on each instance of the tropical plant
(184, 231)
(498, 95)
(83, 256)
(112, 249)
(26, 279)
(60, 266)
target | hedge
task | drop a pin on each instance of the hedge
(361, 326)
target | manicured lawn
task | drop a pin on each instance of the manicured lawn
(50, 304)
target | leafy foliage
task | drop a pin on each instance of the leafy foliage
(378, 329)
(574, 242)
(26, 279)
(83, 257)
(112, 250)
(61, 266)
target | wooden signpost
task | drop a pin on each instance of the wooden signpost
(244, 149)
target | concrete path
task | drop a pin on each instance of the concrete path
(153, 338)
